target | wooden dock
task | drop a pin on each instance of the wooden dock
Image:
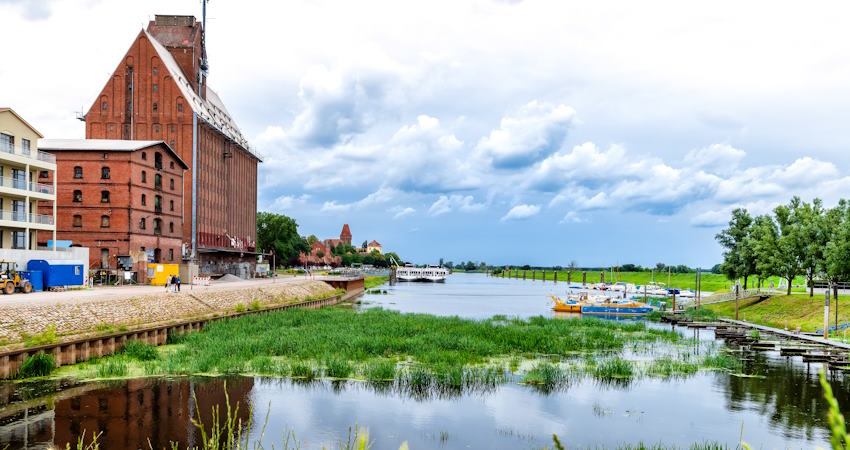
(812, 349)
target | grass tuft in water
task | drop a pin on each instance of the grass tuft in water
(302, 370)
(380, 370)
(615, 367)
(668, 367)
(338, 368)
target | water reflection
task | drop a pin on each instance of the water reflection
(128, 414)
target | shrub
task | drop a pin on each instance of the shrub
(140, 351)
(38, 365)
(255, 305)
(240, 308)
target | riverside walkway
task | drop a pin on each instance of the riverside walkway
(788, 334)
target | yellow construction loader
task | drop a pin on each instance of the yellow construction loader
(10, 279)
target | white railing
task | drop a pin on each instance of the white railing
(743, 293)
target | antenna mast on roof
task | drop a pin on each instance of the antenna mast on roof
(202, 74)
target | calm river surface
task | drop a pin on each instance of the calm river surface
(782, 408)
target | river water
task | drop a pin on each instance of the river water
(781, 407)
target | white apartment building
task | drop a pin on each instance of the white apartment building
(22, 165)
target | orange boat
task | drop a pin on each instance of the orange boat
(570, 306)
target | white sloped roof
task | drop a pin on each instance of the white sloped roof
(212, 109)
(95, 144)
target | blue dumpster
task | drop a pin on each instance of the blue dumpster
(58, 272)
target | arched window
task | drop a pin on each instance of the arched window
(144, 199)
(78, 172)
(78, 221)
(171, 164)
(155, 107)
(78, 196)
(157, 226)
(144, 177)
(104, 221)
(170, 227)
(104, 173)
(144, 156)
(157, 182)
(171, 184)
(142, 223)
(157, 203)
(104, 196)
(157, 160)
(171, 205)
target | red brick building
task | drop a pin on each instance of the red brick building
(117, 196)
(153, 94)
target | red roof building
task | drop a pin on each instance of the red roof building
(158, 91)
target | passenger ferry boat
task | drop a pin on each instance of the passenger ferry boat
(430, 273)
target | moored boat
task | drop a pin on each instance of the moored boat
(569, 305)
(617, 307)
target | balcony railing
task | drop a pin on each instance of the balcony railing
(39, 155)
(157, 209)
(23, 218)
(18, 183)
(46, 157)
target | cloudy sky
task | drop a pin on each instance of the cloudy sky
(515, 132)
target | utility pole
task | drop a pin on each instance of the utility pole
(826, 316)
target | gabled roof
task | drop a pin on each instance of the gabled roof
(104, 145)
(7, 109)
(212, 109)
(374, 243)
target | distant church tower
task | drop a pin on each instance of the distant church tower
(345, 235)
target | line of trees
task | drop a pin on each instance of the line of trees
(798, 238)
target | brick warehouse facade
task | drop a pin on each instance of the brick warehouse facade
(116, 196)
(153, 95)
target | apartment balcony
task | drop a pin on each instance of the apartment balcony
(16, 219)
(17, 187)
(35, 158)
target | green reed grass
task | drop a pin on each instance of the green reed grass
(38, 365)
(115, 367)
(140, 351)
(615, 367)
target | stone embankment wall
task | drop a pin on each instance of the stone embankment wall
(82, 318)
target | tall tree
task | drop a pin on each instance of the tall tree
(763, 242)
(836, 263)
(280, 233)
(738, 257)
(790, 253)
(813, 240)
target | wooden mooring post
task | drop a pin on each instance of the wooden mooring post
(826, 316)
(555, 278)
(533, 274)
(523, 274)
(584, 278)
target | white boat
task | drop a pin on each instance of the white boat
(654, 289)
(429, 273)
(624, 287)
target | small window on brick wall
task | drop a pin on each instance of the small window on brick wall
(104, 196)
(78, 196)
(144, 199)
(78, 220)
(104, 221)
(104, 173)
(78, 172)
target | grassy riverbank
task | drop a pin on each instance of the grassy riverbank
(415, 350)
(797, 309)
(372, 281)
(711, 282)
